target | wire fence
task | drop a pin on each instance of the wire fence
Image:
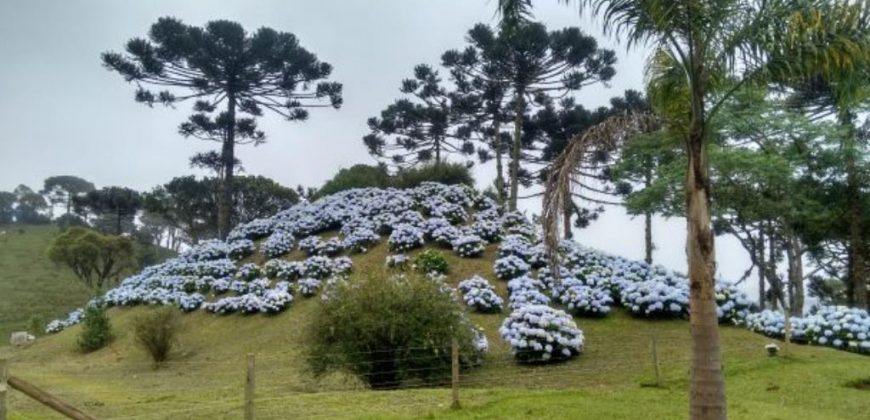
(284, 385)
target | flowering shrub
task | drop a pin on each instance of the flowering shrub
(655, 298)
(211, 249)
(584, 300)
(405, 237)
(834, 326)
(309, 245)
(241, 248)
(330, 247)
(510, 267)
(525, 297)
(438, 207)
(255, 229)
(318, 267)
(58, 325)
(431, 261)
(490, 231)
(276, 245)
(308, 287)
(248, 272)
(539, 333)
(360, 239)
(468, 246)
(515, 245)
(398, 261)
(342, 266)
(479, 295)
(191, 302)
(733, 304)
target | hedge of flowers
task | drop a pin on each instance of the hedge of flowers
(539, 333)
(308, 287)
(249, 271)
(840, 327)
(241, 248)
(478, 294)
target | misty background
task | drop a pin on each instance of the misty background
(62, 113)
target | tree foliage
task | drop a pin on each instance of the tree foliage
(96, 259)
(113, 207)
(232, 76)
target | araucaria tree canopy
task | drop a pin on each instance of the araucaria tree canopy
(232, 77)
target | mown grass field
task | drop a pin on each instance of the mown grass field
(611, 379)
(30, 284)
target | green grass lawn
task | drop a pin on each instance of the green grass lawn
(31, 285)
(611, 379)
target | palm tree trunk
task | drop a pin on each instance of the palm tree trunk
(225, 199)
(707, 386)
(515, 150)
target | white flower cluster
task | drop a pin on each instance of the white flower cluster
(468, 246)
(510, 267)
(308, 287)
(277, 244)
(539, 333)
(479, 295)
(241, 248)
(283, 269)
(71, 319)
(398, 261)
(248, 272)
(834, 326)
(405, 237)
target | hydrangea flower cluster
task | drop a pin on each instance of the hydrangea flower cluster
(360, 239)
(510, 267)
(318, 267)
(489, 230)
(241, 248)
(540, 334)
(655, 298)
(309, 245)
(283, 269)
(834, 326)
(255, 229)
(479, 295)
(405, 237)
(398, 261)
(248, 272)
(277, 244)
(308, 287)
(584, 300)
(468, 246)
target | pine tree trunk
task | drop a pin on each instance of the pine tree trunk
(225, 198)
(794, 252)
(647, 217)
(707, 386)
(566, 218)
(437, 152)
(762, 296)
(499, 170)
(515, 150)
(857, 264)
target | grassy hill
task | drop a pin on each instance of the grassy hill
(609, 380)
(30, 284)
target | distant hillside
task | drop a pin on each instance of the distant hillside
(30, 284)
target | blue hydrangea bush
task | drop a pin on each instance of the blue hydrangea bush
(479, 295)
(541, 334)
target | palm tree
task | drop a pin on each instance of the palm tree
(703, 51)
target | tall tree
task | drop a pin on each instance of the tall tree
(232, 76)
(7, 207)
(422, 127)
(29, 206)
(118, 205)
(703, 52)
(62, 189)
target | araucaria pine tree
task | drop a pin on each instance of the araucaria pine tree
(232, 76)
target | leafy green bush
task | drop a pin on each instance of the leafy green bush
(445, 173)
(386, 330)
(96, 329)
(156, 332)
(357, 176)
(431, 261)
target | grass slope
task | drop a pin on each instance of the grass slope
(205, 378)
(30, 284)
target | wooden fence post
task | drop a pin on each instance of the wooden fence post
(47, 399)
(455, 373)
(3, 388)
(249, 389)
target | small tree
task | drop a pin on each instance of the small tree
(221, 65)
(94, 258)
(96, 329)
(386, 330)
(157, 331)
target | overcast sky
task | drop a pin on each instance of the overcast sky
(62, 113)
